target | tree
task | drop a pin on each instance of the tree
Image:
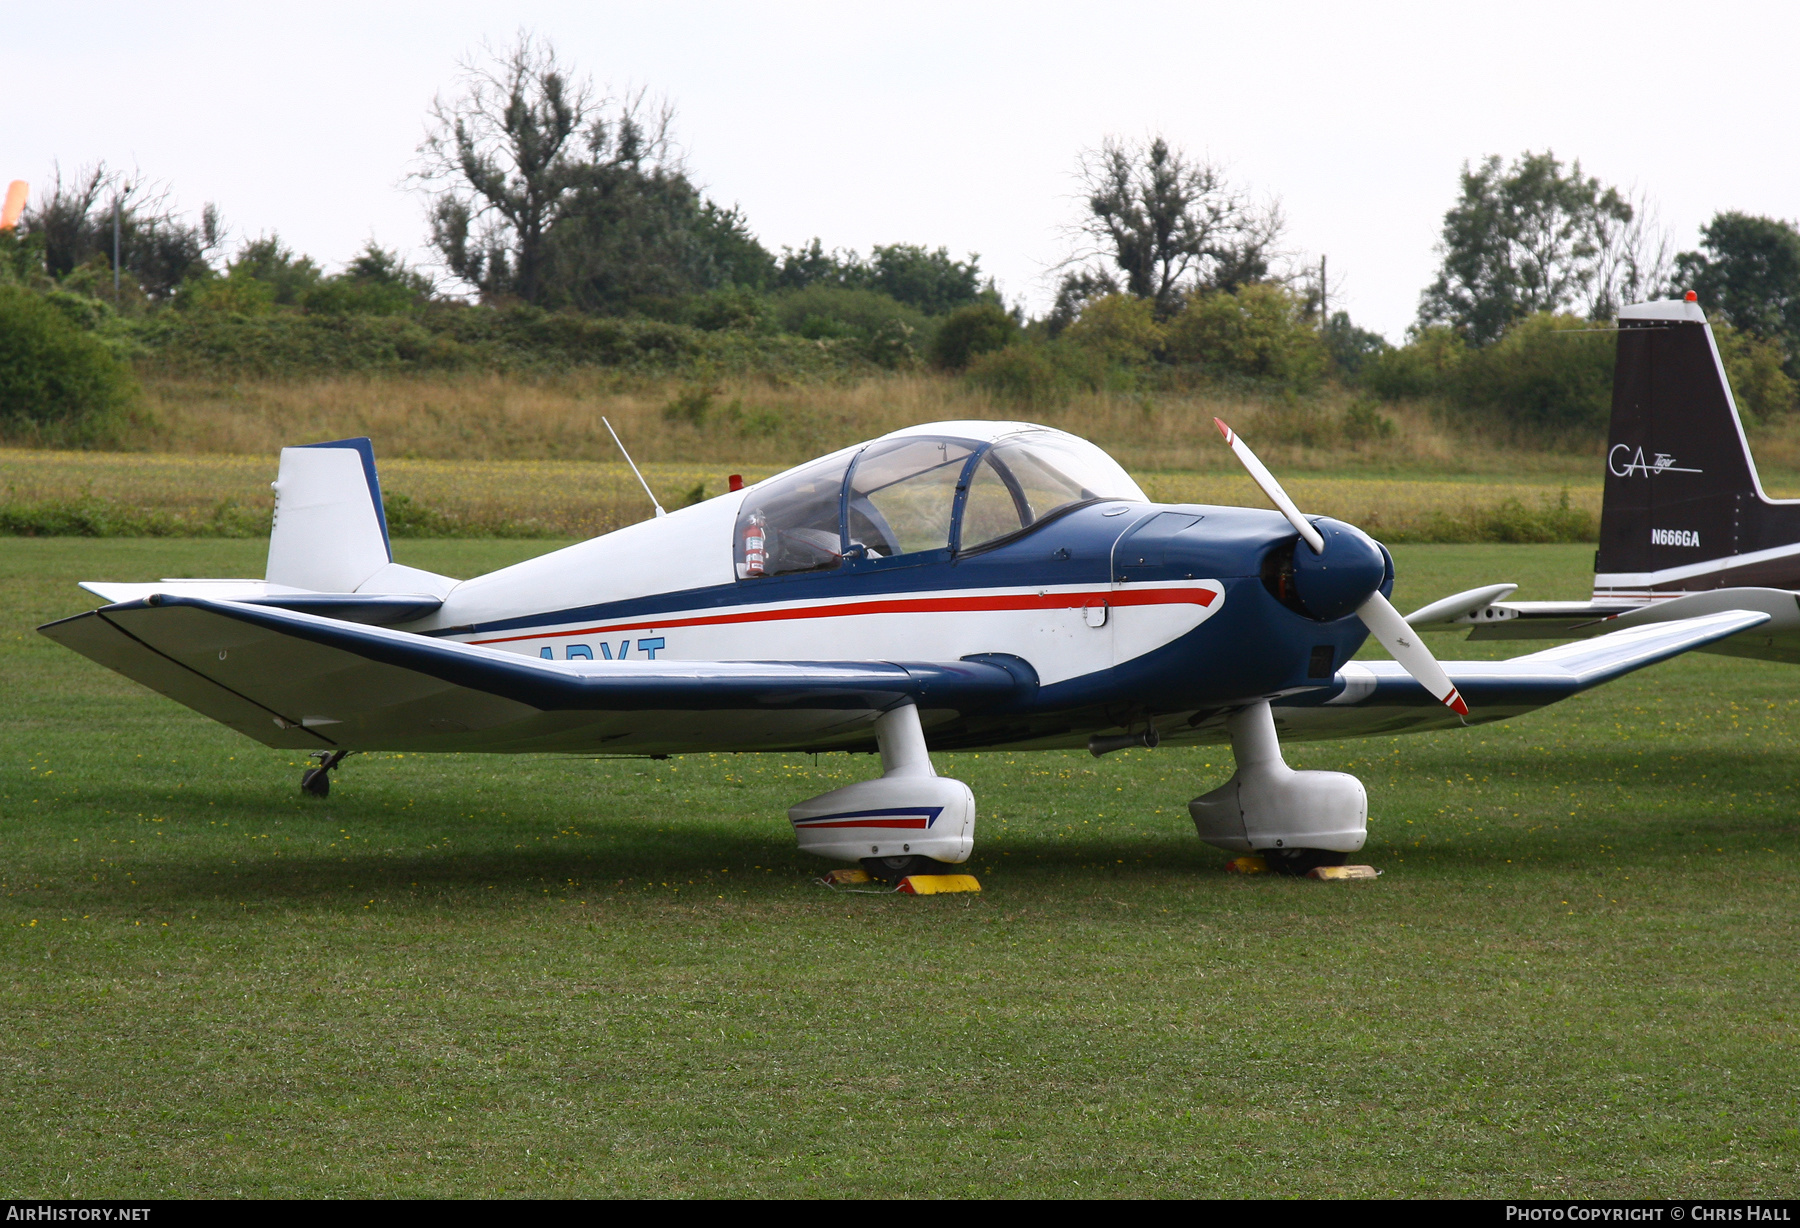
(1748, 271)
(542, 190)
(1531, 238)
(1167, 224)
(158, 247)
(928, 280)
(290, 277)
(1349, 346)
(908, 273)
(971, 331)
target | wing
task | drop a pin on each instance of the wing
(291, 679)
(1378, 697)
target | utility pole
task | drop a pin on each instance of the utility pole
(1324, 299)
(116, 203)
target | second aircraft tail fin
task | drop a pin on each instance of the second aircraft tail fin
(1684, 509)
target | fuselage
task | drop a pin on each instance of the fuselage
(1123, 610)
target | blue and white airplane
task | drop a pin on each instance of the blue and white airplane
(949, 586)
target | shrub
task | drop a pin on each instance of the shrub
(1258, 331)
(968, 332)
(343, 296)
(1024, 374)
(1549, 372)
(1508, 521)
(1755, 367)
(1119, 328)
(1364, 422)
(691, 404)
(891, 346)
(54, 378)
(730, 308)
(826, 312)
(1423, 367)
(242, 293)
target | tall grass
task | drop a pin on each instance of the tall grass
(758, 421)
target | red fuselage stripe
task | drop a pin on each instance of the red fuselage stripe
(917, 605)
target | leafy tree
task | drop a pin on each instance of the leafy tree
(546, 192)
(267, 259)
(1350, 347)
(1755, 367)
(812, 265)
(1533, 237)
(927, 280)
(1167, 225)
(158, 247)
(1074, 293)
(632, 237)
(1748, 272)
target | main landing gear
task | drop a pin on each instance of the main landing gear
(1296, 821)
(908, 821)
(316, 781)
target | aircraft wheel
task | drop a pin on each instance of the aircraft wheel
(1296, 862)
(893, 869)
(316, 781)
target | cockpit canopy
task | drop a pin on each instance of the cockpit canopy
(914, 494)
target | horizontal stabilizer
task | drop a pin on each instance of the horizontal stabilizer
(1459, 609)
(365, 688)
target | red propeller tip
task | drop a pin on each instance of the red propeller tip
(1223, 429)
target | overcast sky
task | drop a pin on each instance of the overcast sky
(954, 124)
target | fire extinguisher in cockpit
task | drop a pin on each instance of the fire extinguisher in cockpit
(753, 545)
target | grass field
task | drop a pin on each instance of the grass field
(469, 976)
(176, 494)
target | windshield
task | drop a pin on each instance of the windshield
(903, 495)
(1025, 479)
(902, 499)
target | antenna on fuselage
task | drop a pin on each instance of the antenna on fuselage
(634, 468)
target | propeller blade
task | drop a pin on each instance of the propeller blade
(1377, 613)
(1384, 622)
(1270, 487)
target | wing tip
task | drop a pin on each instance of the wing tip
(1224, 430)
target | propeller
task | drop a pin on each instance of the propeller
(1377, 612)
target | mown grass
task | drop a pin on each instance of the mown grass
(470, 976)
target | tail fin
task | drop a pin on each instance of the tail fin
(1684, 509)
(330, 531)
